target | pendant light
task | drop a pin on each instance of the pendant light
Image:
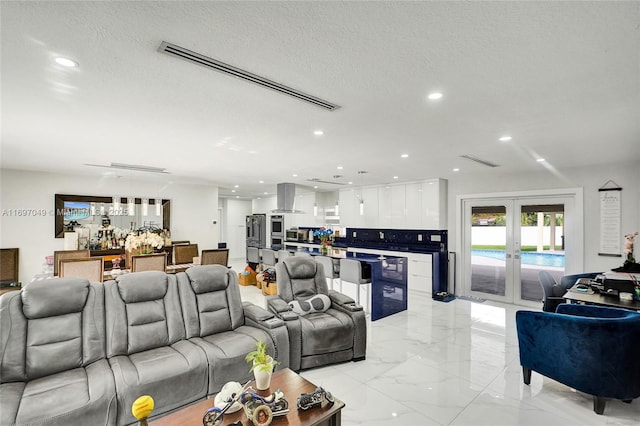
(131, 206)
(315, 209)
(145, 207)
(158, 206)
(116, 205)
(361, 172)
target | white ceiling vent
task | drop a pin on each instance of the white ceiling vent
(133, 167)
(478, 160)
(196, 58)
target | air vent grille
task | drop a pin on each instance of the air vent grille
(479, 160)
(196, 58)
(133, 167)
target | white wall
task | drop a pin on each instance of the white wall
(626, 175)
(193, 210)
(235, 212)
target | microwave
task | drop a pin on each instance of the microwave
(291, 235)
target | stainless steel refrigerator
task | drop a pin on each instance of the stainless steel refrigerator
(256, 227)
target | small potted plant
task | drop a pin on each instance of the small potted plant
(262, 365)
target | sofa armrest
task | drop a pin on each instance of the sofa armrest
(343, 302)
(591, 311)
(258, 317)
(277, 305)
(261, 316)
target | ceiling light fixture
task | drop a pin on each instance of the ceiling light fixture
(340, 167)
(66, 62)
(540, 160)
(315, 209)
(395, 177)
(434, 96)
(505, 138)
(404, 156)
(456, 169)
(318, 132)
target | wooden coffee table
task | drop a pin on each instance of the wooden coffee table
(290, 383)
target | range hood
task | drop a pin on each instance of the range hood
(286, 197)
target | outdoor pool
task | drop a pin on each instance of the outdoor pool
(528, 257)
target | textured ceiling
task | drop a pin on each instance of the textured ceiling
(562, 78)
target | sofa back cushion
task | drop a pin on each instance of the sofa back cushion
(52, 326)
(143, 312)
(210, 299)
(300, 277)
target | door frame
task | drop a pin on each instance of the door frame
(574, 226)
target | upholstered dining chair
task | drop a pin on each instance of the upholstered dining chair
(283, 254)
(592, 349)
(90, 268)
(330, 269)
(149, 262)
(185, 253)
(215, 257)
(67, 254)
(268, 259)
(351, 272)
(551, 290)
(325, 327)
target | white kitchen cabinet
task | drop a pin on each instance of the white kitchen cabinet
(419, 271)
(413, 204)
(370, 207)
(385, 198)
(349, 209)
(398, 207)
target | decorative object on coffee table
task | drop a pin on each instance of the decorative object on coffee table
(262, 365)
(314, 399)
(262, 416)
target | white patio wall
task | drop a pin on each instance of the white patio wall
(495, 235)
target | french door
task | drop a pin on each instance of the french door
(507, 241)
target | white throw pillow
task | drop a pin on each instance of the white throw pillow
(317, 303)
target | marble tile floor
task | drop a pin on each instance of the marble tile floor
(452, 364)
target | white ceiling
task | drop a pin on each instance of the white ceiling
(562, 78)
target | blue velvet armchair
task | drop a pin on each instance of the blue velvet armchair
(593, 349)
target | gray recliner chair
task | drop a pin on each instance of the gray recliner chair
(217, 321)
(53, 368)
(322, 335)
(146, 344)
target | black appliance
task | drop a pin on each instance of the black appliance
(256, 228)
(277, 231)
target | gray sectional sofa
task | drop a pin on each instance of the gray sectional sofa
(74, 352)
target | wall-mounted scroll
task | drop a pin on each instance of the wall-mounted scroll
(610, 213)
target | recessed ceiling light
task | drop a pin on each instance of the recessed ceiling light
(434, 96)
(233, 190)
(315, 186)
(540, 160)
(395, 177)
(237, 196)
(340, 167)
(456, 169)
(66, 62)
(295, 175)
(236, 186)
(404, 156)
(318, 132)
(505, 138)
(350, 183)
(265, 193)
(261, 181)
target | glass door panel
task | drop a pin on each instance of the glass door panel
(542, 244)
(490, 249)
